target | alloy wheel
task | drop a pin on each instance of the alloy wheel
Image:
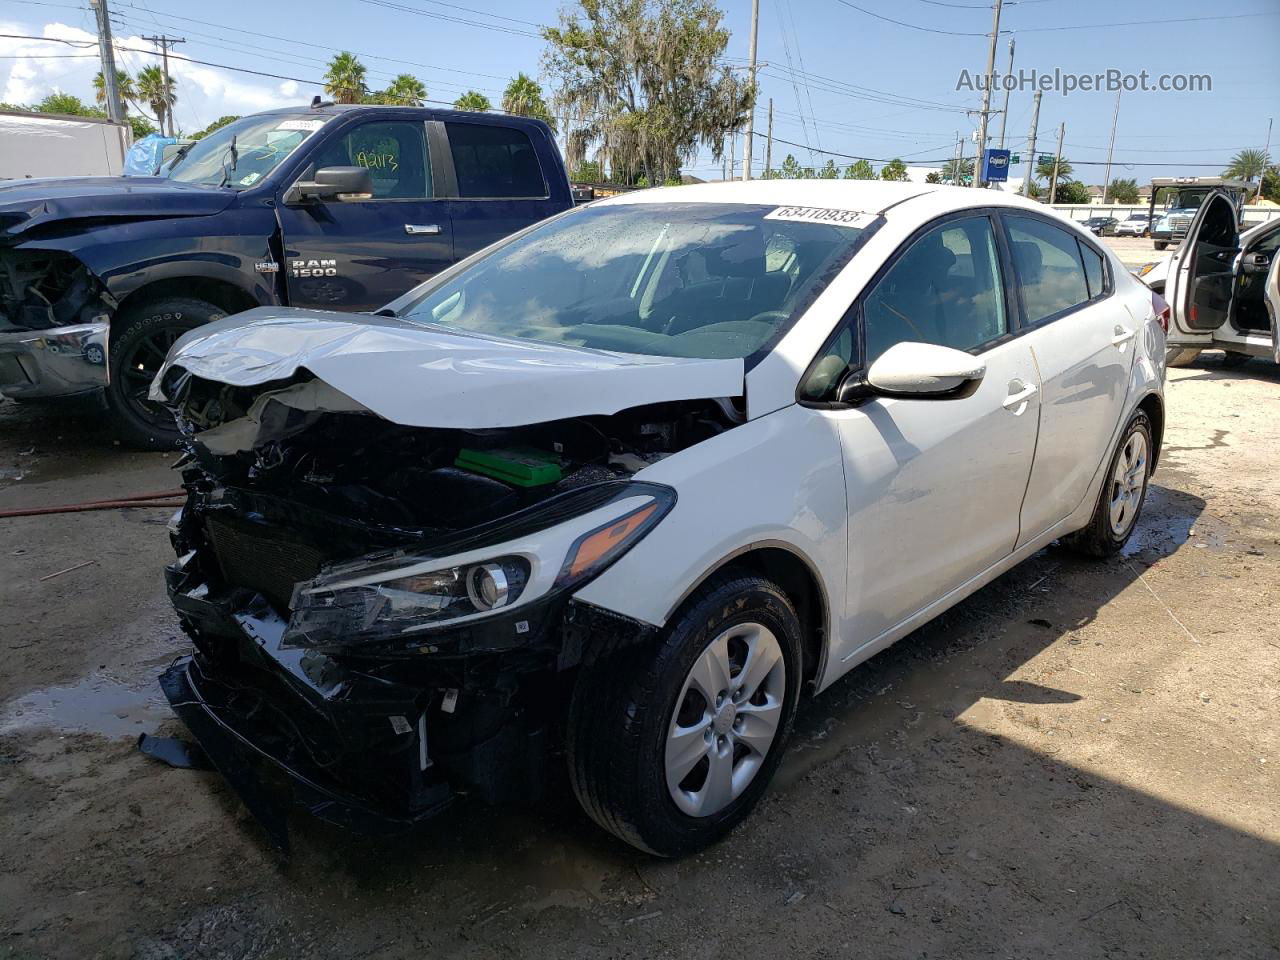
(1127, 483)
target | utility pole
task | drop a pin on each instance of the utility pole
(960, 165)
(733, 140)
(1057, 161)
(115, 109)
(986, 96)
(1031, 155)
(751, 72)
(164, 42)
(1266, 151)
(768, 143)
(1106, 181)
(1004, 114)
(955, 162)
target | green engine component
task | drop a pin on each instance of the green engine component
(522, 466)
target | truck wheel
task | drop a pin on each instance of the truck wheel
(670, 746)
(1160, 244)
(140, 339)
(1178, 357)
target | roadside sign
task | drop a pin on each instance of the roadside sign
(995, 166)
(1045, 158)
(1015, 158)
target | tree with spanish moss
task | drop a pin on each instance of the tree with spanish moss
(642, 81)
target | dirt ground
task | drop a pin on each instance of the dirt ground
(1079, 761)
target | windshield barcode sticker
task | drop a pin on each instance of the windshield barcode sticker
(838, 218)
(309, 125)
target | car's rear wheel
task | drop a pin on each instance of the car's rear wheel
(1121, 497)
(670, 746)
(1160, 244)
(140, 340)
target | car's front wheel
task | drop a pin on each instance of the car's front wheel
(671, 745)
(1122, 495)
(140, 339)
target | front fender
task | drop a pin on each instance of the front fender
(228, 248)
(777, 481)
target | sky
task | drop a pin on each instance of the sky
(843, 78)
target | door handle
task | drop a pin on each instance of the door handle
(1122, 336)
(1015, 400)
(421, 229)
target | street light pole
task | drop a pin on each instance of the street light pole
(1031, 155)
(751, 72)
(1057, 162)
(1106, 180)
(986, 95)
(1004, 114)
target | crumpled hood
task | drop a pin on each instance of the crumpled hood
(27, 204)
(421, 375)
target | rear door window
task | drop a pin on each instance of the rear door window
(492, 161)
(1050, 272)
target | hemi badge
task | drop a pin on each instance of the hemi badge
(267, 266)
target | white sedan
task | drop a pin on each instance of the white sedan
(621, 489)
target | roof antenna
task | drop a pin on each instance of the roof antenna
(316, 101)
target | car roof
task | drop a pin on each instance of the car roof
(864, 196)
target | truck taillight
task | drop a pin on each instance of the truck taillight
(1161, 309)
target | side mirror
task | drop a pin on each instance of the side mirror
(334, 183)
(924, 371)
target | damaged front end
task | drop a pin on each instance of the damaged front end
(54, 323)
(385, 613)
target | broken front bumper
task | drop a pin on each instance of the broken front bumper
(54, 363)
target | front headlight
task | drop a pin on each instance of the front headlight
(403, 598)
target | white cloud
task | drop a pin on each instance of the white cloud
(204, 93)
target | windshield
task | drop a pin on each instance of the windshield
(663, 279)
(242, 153)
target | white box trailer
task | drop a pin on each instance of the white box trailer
(53, 145)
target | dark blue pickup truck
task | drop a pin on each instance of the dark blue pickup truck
(335, 207)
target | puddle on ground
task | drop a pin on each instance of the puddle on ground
(98, 704)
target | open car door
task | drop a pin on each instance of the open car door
(1272, 296)
(1202, 271)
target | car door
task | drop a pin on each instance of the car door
(500, 185)
(933, 486)
(1083, 341)
(361, 254)
(1202, 272)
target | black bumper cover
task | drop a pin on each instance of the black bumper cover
(239, 755)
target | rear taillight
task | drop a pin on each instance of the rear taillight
(1161, 309)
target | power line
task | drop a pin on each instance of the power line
(403, 8)
(1156, 21)
(910, 26)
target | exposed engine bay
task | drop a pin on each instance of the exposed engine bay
(42, 289)
(330, 640)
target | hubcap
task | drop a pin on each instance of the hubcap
(725, 719)
(1127, 484)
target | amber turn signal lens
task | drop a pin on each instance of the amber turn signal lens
(597, 546)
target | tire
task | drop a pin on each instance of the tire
(1106, 533)
(1232, 359)
(625, 705)
(1180, 357)
(140, 336)
(1160, 244)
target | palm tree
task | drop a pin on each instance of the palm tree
(124, 84)
(473, 100)
(161, 97)
(957, 171)
(406, 89)
(344, 80)
(1248, 165)
(523, 97)
(1044, 169)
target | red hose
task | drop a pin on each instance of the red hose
(162, 498)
